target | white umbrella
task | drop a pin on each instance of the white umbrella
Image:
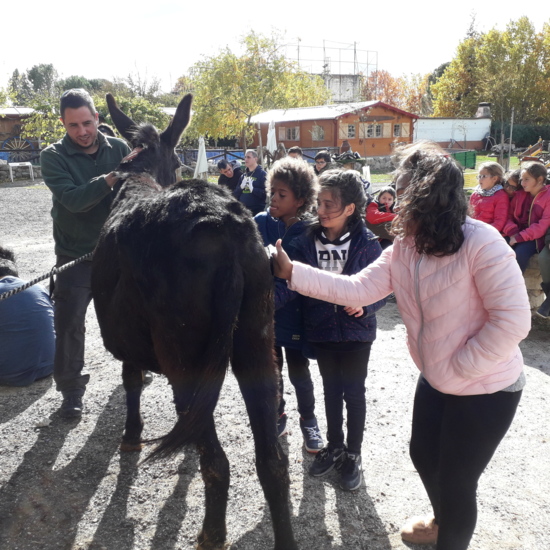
(201, 169)
(271, 138)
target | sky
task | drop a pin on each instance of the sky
(162, 39)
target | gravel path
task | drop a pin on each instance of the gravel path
(64, 484)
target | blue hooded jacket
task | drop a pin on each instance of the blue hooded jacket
(325, 322)
(289, 326)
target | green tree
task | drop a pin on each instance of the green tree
(509, 69)
(137, 108)
(43, 78)
(20, 88)
(6, 97)
(229, 89)
(44, 123)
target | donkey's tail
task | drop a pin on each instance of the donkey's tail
(197, 395)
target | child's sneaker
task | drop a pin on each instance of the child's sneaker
(313, 440)
(350, 472)
(281, 425)
(326, 460)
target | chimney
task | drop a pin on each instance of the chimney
(483, 110)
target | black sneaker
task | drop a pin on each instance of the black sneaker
(71, 407)
(350, 472)
(313, 439)
(281, 425)
(326, 460)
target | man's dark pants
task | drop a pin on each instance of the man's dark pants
(72, 296)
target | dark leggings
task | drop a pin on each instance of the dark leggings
(453, 439)
(300, 377)
(344, 374)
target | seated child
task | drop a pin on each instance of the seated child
(380, 214)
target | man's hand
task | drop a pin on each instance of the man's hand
(512, 241)
(111, 178)
(282, 266)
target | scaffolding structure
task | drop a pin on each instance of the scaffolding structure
(342, 66)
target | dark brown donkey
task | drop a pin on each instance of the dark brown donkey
(182, 286)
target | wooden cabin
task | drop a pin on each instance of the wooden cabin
(371, 128)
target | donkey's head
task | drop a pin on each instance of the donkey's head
(158, 157)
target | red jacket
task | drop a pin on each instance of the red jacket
(518, 214)
(539, 220)
(492, 210)
(375, 216)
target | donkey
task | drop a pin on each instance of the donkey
(181, 286)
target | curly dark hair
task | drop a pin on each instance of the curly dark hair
(433, 207)
(299, 177)
(7, 262)
(346, 187)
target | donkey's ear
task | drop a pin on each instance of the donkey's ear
(177, 125)
(124, 124)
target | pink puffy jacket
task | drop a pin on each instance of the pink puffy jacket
(518, 214)
(465, 314)
(539, 220)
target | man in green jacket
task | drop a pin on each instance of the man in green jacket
(78, 170)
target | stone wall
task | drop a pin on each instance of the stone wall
(19, 172)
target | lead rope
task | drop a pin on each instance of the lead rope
(50, 274)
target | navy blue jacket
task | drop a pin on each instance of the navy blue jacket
(289, 326)
(326, 322)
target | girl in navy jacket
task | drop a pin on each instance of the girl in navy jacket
(341, 336)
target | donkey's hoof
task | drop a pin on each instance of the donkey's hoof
(131, 446)
(204, 543)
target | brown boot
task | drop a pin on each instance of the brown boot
(420, 530)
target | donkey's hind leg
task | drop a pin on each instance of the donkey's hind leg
(132, 380)
(254, 366)
(215, 474)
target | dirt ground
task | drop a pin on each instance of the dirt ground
(64, 484)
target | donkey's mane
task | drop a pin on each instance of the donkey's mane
(145, 134)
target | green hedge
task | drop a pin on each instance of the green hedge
(523, 135)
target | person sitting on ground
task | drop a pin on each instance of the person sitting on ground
(465, 307)
(322, 162)
(251, 188)
(520, 204)
(296, 153)
(27, 336)
(292, 187)
(489, 201)
(230, 174)
(380, 214)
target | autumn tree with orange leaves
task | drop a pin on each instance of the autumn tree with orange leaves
(407, 92)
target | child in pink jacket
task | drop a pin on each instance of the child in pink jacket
(464, 304)
(489, 201)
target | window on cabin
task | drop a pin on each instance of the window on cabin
(318, 133)
(370, 130)
(293, 133)
(397, 130)
(351, 131)
(378, 130)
